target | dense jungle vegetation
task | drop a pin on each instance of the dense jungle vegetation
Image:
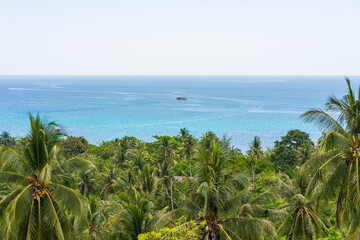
(57, 186)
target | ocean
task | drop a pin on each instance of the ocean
(106, 107)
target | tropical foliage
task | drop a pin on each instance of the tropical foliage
(55, 186)
(40, 198)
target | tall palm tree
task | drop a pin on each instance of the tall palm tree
(221, 197)
(256, 148)
(188, 147)
(255, 152)
(165, 173)
(39, 205)
(166, 150)
(337, 166)
(6, 139)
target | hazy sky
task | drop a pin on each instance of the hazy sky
(231, 37)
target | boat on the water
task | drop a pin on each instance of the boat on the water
(181, 98)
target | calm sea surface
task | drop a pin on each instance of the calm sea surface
(106, 107)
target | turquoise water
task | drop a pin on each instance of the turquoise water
(106, 107)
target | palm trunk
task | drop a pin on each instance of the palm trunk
(279, 174)
(253, 170)
(357, 234)
(253, 173)
(190, 169)
(171, 195)
(169, 192)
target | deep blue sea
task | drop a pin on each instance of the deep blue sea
(106, 107)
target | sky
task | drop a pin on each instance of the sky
(180, 37)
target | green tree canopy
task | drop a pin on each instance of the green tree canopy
(284, 154)
(73, 146)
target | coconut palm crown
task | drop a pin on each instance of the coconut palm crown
(39, 206)
(301, 220)
(335, 171)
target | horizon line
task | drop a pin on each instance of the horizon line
(191, 75)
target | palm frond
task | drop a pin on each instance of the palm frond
(77, 163)
(321, 170)
(51, 218)
(4, 203)
(12, 161)
(19, 207)
(71, 200)
(335, 140)
(250, 228)
(11, 177)
(322, 119)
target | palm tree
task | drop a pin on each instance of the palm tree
(208, 140)
(225, 142)
(6, 139)
(166, 148)
(110, 177)
(138, 156)
(127, 180)
(96, 215)
(301, 220)
(188, 147)
(337, 166)
(184, 133)
(148, 179)
(87, 182)
(39, 205)
(121, 148)
(137, 216)
(255, 152)
(220, 196)
(165, 173)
